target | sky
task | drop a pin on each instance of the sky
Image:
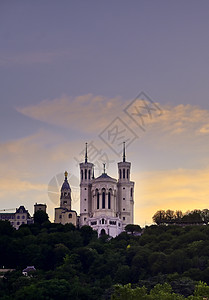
(103, 72)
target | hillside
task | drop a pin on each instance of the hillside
(74, 264)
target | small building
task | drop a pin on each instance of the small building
(29, 271)
(64, 214)
(21, 216)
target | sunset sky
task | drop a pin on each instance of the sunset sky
(72, 71)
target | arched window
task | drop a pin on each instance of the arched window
(85, 174)
(97, 193)
(70, 216)
(81, 174)
(120, 173)
(109, 200)
(103, 198)
(131, 192)
(127, 173)
(89, 174)
(124, 173)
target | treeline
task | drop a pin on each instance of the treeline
(75, 264)
(159, 292)
(198, 217)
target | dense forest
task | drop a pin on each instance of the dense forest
(164, 262)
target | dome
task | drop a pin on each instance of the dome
(105, 177)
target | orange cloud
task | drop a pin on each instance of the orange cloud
(87, 113)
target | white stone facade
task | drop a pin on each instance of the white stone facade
(106, 204)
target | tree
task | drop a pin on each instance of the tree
(133, 228)
(87, 234)
(202, 289)
(178, 215)
(40, 217)
(169, 216)
(6, 228)
(127, 293)
(159, 217)
(193, 217)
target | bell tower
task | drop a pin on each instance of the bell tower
(125, 191)
(86, 175)
(65, 197)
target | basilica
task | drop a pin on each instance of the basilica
(106, 203)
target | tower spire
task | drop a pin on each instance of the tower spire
(104, 168)
(86, 156)
(124, 151)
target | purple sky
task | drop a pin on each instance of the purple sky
(53, 52)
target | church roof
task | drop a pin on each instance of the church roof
(21, 210)
(105, 176)
(29, 269)
(65, 185)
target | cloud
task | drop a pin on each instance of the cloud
(18, 186)
(86, 113)
(31, 57)
(204, 129)
(179, 119)
(89, 113)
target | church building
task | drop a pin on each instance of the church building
(106, 203)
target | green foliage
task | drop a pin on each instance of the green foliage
(132, 228)
(6, 228)
(127, 293)
(40, 217)
(160, 292)
(165, 262)
(202, 289)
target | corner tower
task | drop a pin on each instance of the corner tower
(86, 175)
(125, 191)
